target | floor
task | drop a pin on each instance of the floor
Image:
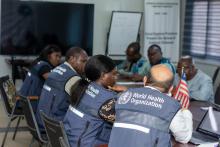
(23, 137)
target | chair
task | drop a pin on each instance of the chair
(63, 143)
(216, 79)
(215, 74)
(22, 72)
(8, 94)
(55, 130)
(31, 122)
(217, 95)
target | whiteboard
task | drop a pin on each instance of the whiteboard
(123, 30)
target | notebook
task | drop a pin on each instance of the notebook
(204, 132)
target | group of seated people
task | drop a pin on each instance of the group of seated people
(199, 84)
(81, 92)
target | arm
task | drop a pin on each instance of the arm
(204, 92)
(44, 71)
(45, 75)
(107, 111)
(182, 126)
(144, 69)
(123, 68)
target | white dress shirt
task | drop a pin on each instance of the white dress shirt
(182, 126)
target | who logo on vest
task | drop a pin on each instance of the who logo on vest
(125, 97)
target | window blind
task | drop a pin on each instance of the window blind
(202, 29)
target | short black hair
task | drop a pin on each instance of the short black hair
(95, 66)
(49, 49)
(155, 46)
(136, 46)
(73, 51)
(98, 64)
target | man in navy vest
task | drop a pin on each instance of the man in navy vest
(55, 95)
(146, 116)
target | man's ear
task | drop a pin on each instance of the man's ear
(145, 80)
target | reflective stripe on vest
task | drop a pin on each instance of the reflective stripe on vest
(88, 110)
(143, 119)
(77, 112)
(132, 126)
(47, 87)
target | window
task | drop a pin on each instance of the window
(202, 29)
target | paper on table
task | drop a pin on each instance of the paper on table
(208, 144)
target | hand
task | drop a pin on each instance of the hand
(118, 88)
(174, 91)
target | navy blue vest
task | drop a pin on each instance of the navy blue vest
(83, 125)
(54, 101)
(33, 83)
(143, 117)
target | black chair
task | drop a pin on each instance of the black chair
(63, 143)
(8, 94)
(22, 71)
(55, 130)
(217, 95)
(215, 74)
(31, 122)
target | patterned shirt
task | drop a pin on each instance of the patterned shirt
(141, 67)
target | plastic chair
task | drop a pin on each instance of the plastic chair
(55, 130)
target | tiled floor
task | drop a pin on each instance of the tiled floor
(23, 138)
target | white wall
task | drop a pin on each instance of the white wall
(102, 16)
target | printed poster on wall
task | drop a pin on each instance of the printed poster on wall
(162, 27)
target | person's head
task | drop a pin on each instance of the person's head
(160, 77)
(186, 63)
(77, 58)
(154, 54)
(52, 54)
(133, 52)
(102, 70)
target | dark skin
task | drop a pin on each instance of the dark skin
(78, 62)
(108, 80)
(154, 55)
(133, 56)
(188, 68)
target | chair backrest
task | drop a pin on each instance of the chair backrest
(217, 95)
(22, 71)
(8, 93)
(30, 119)
(55, 130)
(216, 79)
(63, 143)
